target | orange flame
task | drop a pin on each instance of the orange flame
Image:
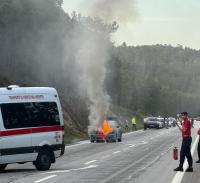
(106, 127)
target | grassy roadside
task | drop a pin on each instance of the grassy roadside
(72, 137)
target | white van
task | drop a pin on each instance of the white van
(31, 126)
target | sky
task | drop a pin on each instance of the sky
(171, 22)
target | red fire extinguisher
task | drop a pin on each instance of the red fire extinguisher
(175, 153)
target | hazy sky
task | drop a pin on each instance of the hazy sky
(158, 22)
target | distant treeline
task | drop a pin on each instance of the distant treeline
(38, 46)
(155, 80)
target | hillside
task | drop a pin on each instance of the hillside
(157, 79)
(41, 45)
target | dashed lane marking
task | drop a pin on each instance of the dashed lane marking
(138, 143)
(46, 178)
(106, 156)
(78, 144)
(116, 152)
(125, 149)
(75, 169)
(89, 162)
(132, 145)
(134, 132)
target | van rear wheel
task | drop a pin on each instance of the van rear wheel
(2, 167)
(43, 161)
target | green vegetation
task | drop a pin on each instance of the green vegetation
(74, 137)
(155, 80)
(39, 43)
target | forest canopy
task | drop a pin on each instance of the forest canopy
(39, 44)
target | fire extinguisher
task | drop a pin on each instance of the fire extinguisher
(175, 153)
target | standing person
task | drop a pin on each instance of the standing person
(134, 124)
(185, 128)
(166, 122)
(127, 125)
(192, 122)
(198, 148)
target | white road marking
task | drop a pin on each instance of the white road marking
(44, 179)
(138, 143)
(76, 169)
(106, 156)
(125, 149)
(89, 162)
(78, 144)
(149, 164)
(134, 132)
(179, 175)
(116, 152)
(141, 143)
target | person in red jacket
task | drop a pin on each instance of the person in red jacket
(198, 148)
(185, 128)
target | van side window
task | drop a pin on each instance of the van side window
(30, 114)
(44, 114)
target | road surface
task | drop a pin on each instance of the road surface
(142, 157)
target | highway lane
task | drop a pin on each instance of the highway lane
(142, 156)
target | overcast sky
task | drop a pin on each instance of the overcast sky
(158, 22)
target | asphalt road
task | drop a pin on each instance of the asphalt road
(141, 157)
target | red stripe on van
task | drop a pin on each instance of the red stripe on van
(31, 130)
(47, 129)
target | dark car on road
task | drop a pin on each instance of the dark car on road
(153, 122)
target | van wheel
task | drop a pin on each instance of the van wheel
(2, 167)
(43, 161)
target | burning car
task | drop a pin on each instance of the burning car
(110, 131)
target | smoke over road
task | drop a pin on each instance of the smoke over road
(93, 54)
(121, 11)
(91, 60)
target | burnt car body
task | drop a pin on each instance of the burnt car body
(153, 122)
(114, 136)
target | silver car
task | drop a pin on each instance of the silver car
(153, 122)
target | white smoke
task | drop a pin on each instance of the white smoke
(91, 59)
(93, 54)
(121, 11)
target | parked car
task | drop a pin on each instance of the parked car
(172, 121)
(114, 135)
(153, 122)
(164, 121)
